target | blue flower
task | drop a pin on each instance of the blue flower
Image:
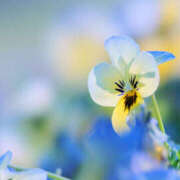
(7, 173)
(105, 148)
(66, 154)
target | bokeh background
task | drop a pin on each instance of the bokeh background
(47, 48)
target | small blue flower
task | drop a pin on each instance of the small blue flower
(6, 173)
(162, 56)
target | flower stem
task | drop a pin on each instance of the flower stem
(158, 114)
(50, 175)
(56, 177)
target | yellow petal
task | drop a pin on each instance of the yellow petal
(127, 103)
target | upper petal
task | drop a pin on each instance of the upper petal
(162, 56)
(121, 48)
(146, 68)
(101, 84)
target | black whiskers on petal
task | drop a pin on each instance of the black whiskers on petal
(120, 86)
(130, 100)
(133, 81)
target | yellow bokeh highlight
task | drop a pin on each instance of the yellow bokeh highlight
(74, 61)
(169, 44)
(170, 12)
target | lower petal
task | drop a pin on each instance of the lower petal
(119, 117)
(125, 105)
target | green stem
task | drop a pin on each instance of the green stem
(158, 114)
(50, 175)
(56, 177)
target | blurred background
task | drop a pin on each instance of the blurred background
(47, 49)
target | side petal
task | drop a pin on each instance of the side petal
(121, 48)
(162, 56)
(101, 84)
(150, 85)
(146, 68)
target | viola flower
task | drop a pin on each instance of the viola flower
(132, 76)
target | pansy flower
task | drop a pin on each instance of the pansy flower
(132, 76)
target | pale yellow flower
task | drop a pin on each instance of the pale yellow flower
(132, 76)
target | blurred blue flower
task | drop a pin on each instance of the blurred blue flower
(103, 154)
(66, 154)
(105, 149)
(102, 136)
(157, 174)
(161, 174)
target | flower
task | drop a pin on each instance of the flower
(6, 173)
(4, 161)
(132, 76)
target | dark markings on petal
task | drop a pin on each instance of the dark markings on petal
(134, 78)
(120, 90)
(133, 81)
(135, 85)
(129, 101)
(122, 83)
(120, 86)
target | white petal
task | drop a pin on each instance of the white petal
(101, 84)
(32, 174)
(5, 174)
(121, 48)
(146, 67)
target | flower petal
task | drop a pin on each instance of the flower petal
(32, 174)
(119, 117)
(146, 68)
(162, 56)
(121, 48)
(5, 160)
(101, 84)
(126, 104)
